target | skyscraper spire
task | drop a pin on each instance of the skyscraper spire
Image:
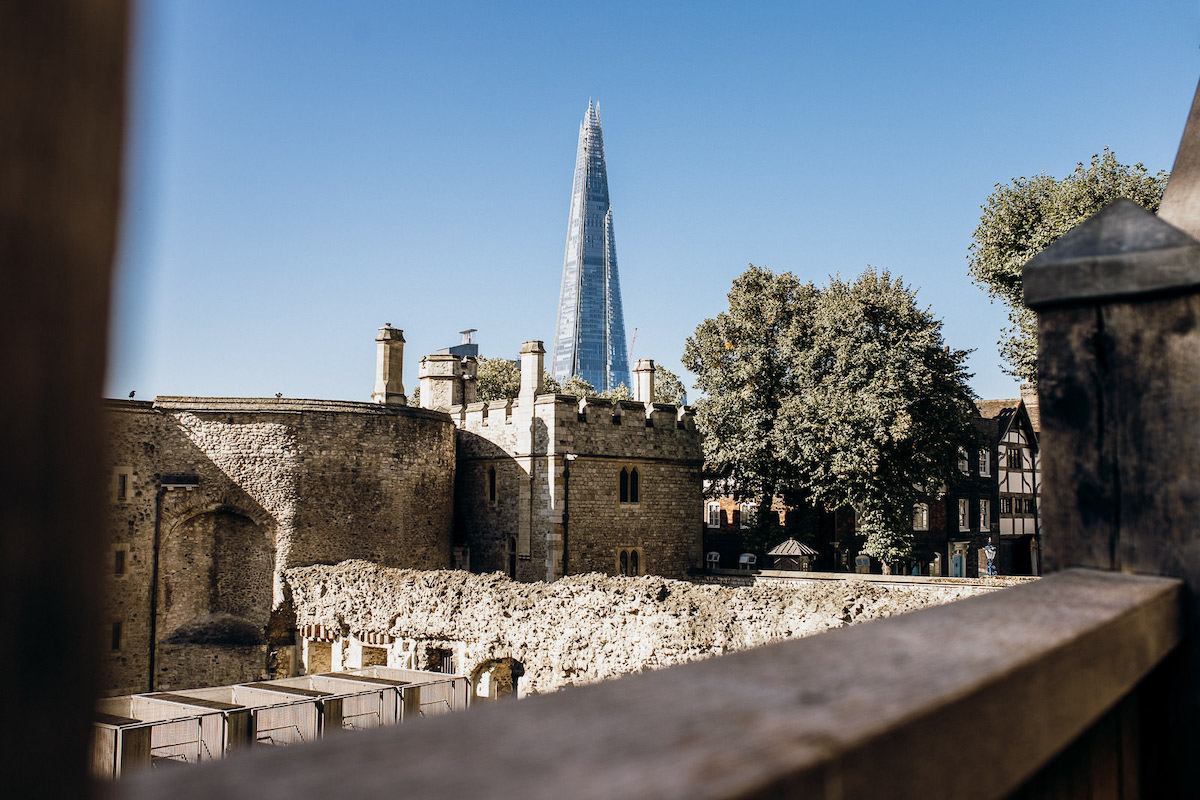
(590, 335)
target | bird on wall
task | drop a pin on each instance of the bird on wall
(278, 395)
(131, 394)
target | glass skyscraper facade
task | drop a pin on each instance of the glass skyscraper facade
(589, 339)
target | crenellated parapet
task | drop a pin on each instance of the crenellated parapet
(614, 427)
(553, 484)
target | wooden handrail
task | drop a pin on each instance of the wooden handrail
(965, 700)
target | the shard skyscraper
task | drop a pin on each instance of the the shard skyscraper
(590, 336)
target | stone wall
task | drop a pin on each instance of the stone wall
(581, 628)
(517, 527)
(227, 493)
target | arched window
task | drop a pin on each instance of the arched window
(491, 484)
(623, 487)
(629, 561)
(920, 517)
(633, 485)
(747, 516)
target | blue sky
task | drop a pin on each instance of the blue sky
(300, 173)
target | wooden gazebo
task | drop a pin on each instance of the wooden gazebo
(792, 555)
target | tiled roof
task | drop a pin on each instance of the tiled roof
(792, 548)
(990, 409)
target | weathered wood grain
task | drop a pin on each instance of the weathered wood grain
(62, 73)
(1119, 252)
(1120, 393)
(965, 700)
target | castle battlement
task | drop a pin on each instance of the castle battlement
(587, 410)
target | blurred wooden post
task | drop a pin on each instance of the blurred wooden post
(1118, 302)
(61, 117)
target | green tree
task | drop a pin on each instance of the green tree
(880, 410)
(549, 385)
(618, 392)
(744, 364)
(668, 388)
(577, 386)
(1023, 217)
(497, 379)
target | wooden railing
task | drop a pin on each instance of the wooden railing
(1066, 687)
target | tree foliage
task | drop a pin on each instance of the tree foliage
(577, 386)
(618, 392)
(883, 408)
(744, 365)
(500, 379)
(497, 379)
(668, 388)
(840, 396)
(1025, 216)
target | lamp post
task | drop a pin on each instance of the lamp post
(989, 552)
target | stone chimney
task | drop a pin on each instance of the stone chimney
(643, 380)
(532, 365)
(1029, 393)
(441, 381)
(470, 374)
(389, 366)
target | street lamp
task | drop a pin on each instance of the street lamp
(989, 552)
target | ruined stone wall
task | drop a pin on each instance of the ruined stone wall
(582, 628)
(234, 491)
(528, 449)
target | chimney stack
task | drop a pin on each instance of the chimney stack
(532, 364)
(643, 380)
(389, 366)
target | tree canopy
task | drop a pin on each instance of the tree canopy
(577, 386)
(743, 360)
(668, 388)
(1025, 216)
(840, 396)
(497, 379)
(500, 379)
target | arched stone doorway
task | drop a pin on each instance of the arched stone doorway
(496, 679)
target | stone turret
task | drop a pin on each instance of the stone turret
(447, 380)
(389, 366)
(643, 380)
